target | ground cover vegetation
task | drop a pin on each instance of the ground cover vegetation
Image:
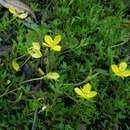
(68, 69)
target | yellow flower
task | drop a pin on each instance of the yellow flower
(34, 51)
(53, 44)
(52, 75)
(15, 65)
(21, 15)
(86, 92)
(121, 70)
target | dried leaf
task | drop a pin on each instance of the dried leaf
(18, 5)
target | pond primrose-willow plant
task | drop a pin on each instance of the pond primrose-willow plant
(86, 92)
(121, 70)
(21, 15)
(34, 51)
(53, 44)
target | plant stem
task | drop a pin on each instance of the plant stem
(84, 81)
(117, 45)
(26, 61)
(30, 80)
(7, 92)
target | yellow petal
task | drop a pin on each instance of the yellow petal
(57, 39)
(115, 69)
(22, 16)
(36, 45)
(122, 66)
(35, 53)
(12, 10)
(90, 95)
(15, 65)
(56, 48)
(86, 88)
(48, 39)
(52, 75)
(126, 73)
(79, 92)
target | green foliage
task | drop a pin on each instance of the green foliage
(95, 34)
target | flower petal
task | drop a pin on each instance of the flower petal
(86, 88)
(12, 10)
(35, 53)
(122, 66)
(91, 94)
(56, 48)
(36, 45)
(48, 39)
(115, 69)
(15, 65)
(79, 92)
(52, 75)
(15, 13)
(126, 73)
(57, 39)
(22, 16)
